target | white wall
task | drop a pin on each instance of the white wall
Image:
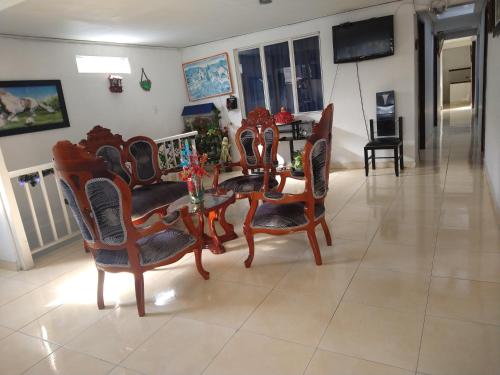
(492, 149)
(134, 112)
(429, 79)
(453, 58)
(395, 72)
(88, 100)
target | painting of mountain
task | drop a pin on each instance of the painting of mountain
(208, 77)
(31, 106)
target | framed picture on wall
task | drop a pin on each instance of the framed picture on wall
(31, 106)
(208, 77)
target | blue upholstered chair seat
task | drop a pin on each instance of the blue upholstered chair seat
(269, 215)
(154, 249)
(150, 197)
(247, 184)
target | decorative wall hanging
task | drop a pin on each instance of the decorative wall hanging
(208, 77)
(31, 106)
(115, 83)
(231, 103)
(145, 81)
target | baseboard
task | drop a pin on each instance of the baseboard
(6, 265)
(496, 207)
(361, 165)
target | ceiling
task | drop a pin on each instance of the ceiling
(168, 23)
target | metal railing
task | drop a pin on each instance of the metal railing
(43, 199)
(169, 149)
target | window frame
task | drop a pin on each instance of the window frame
(260, 47)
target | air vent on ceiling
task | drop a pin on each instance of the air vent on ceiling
(263, 2)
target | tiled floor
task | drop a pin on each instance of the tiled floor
(411, 286)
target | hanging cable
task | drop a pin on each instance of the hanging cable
(334, 80)
(361, 100)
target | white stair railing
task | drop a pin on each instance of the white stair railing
(33, 210)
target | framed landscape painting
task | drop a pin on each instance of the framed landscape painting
(31, 106)
(208, 77)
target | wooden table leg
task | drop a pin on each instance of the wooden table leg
(212, 241)
(229, 233)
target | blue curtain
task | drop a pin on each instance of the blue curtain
(251, 79)
(279, 77)
(308, 72)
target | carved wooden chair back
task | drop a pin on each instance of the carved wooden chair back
(269, 137)
(142, 153)
(247, 141)
(258, 116)
(102, 143)
(317, 154)
(100, 200)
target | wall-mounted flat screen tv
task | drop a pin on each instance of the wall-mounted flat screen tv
(363, 40)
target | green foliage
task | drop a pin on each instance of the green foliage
(53, 102)
(209, 138)
(297, 163)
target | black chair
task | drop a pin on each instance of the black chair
(387, 138)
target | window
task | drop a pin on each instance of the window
(102, 64)
(308, 73)
(285, 74)
(251, 78)
(279, 77)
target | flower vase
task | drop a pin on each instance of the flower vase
(195, 189)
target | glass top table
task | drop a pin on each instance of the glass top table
(214, 207)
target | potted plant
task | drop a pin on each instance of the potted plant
(297, 162)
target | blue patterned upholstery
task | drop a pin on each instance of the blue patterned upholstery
(154, 249)
(267, 152)
(114, 161)
(143, 154)
(288, 215)
(150, 197)
(247, 139)
(77, 212)
(247, 184)
(275, 195)
(106, 204)
(319, 168)
(172, 217)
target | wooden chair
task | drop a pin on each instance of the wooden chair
(108, 146)
(281, 214)
(101, 203)
(253, 164)
(150, 194)
(387, 138)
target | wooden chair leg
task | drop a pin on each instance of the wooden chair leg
(251, 246)
(100, 289)
(366, 163)
(373, 160)
(199, 266)
(139, 293)
(396, 161)
(401, 161)
(311, 234)
(326, 230)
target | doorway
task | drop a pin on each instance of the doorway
(457, 83)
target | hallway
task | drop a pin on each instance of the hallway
(411, 286)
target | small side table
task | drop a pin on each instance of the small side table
(214, 208)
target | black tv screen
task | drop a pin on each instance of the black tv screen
(363, 40)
